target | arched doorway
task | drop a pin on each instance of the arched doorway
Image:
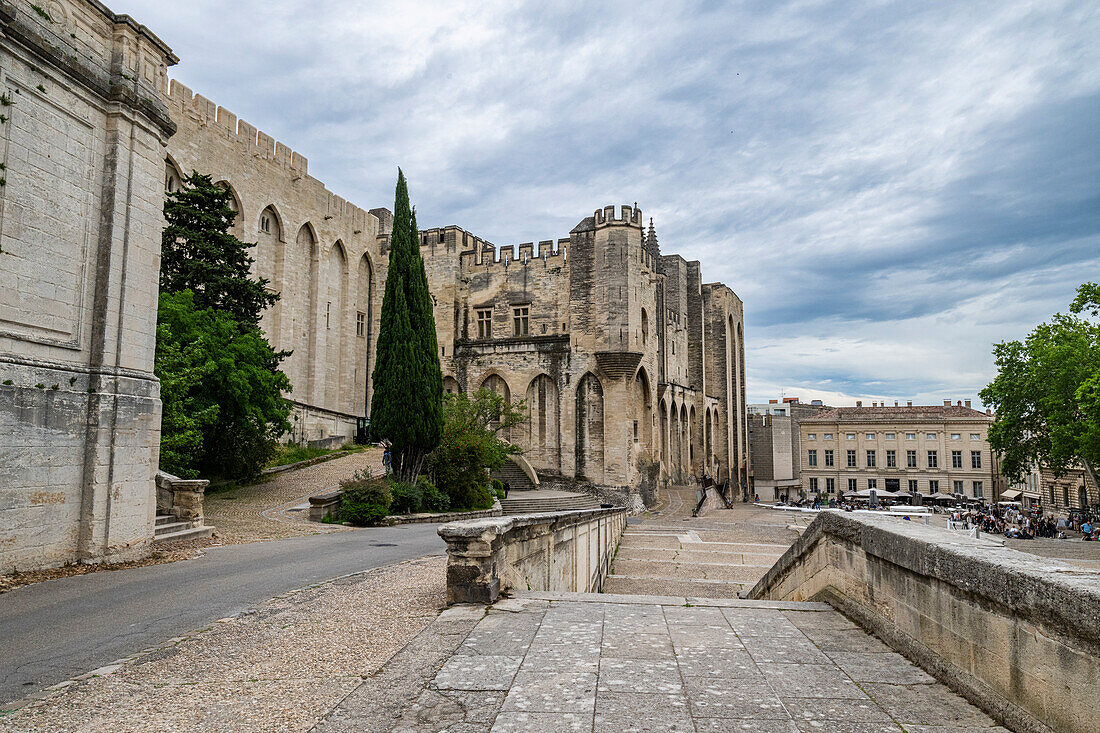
(684, 442)
(589, 429)
(542, 423)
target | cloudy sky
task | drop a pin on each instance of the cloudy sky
(891, 187)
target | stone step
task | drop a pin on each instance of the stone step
(538, 505)
(689, 554)
(514, 476)
(164, 519)
(190, 533)
(543, 503)
(632, 585)
(692, 571)
(170, 527)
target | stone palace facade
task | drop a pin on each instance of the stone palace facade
(630, 364)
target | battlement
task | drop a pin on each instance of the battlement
(631, 216)
(181, 98)
(183, 103)
(548, 253)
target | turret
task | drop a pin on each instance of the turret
(651, 245)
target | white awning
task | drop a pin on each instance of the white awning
(1033, 495)
(1010, 494)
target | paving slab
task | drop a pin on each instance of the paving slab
(662, 665)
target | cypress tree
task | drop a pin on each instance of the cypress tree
(406, 406)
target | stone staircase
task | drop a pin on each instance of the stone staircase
(168, 528)
(539, 501)
(670, 553)
(514, 476)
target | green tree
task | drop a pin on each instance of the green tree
(406, 407)
(471, 446)
(221, 390)
(198, 252)
(1047, 393)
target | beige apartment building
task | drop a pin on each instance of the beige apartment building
(921, 449)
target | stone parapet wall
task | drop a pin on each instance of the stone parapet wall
(182, 498)
(562, 551)
(1017, 635)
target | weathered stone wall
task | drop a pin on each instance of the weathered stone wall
(325, 256)
(610, 358)
(83, 139)
(724, 356)
(1017, 635)
(564, 551)
(598, 340)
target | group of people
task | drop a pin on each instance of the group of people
(1015, 522)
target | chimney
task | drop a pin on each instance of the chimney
(966, 402)
(947, 403)
(895, 403)
(909, 403)
(859, 403)
(958, 403)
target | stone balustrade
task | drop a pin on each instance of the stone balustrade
(1016, 634)
(182, 498)
(562, 551)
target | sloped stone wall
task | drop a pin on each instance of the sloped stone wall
(1016, 634)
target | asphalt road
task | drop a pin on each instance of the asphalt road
(52, 631)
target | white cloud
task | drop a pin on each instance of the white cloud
(890, 187)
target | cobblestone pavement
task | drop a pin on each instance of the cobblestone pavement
(718, 555)
(592, 662)
(279, 667)
(278, 508)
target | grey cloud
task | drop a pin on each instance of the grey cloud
(921, 176)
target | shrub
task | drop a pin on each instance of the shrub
(471, 447)
(406, 497)
(366, 501)
(498, 486)
(431, 498)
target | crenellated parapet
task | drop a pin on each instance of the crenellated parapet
(183, 103)
(629, 216)
(487, 257)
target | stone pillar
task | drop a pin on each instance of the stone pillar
(181, 498)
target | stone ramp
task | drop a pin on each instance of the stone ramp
(602, 662)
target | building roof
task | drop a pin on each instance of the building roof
(917, 413)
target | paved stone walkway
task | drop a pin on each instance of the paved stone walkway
(596, 662)
(278, 508)
(717, 556)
